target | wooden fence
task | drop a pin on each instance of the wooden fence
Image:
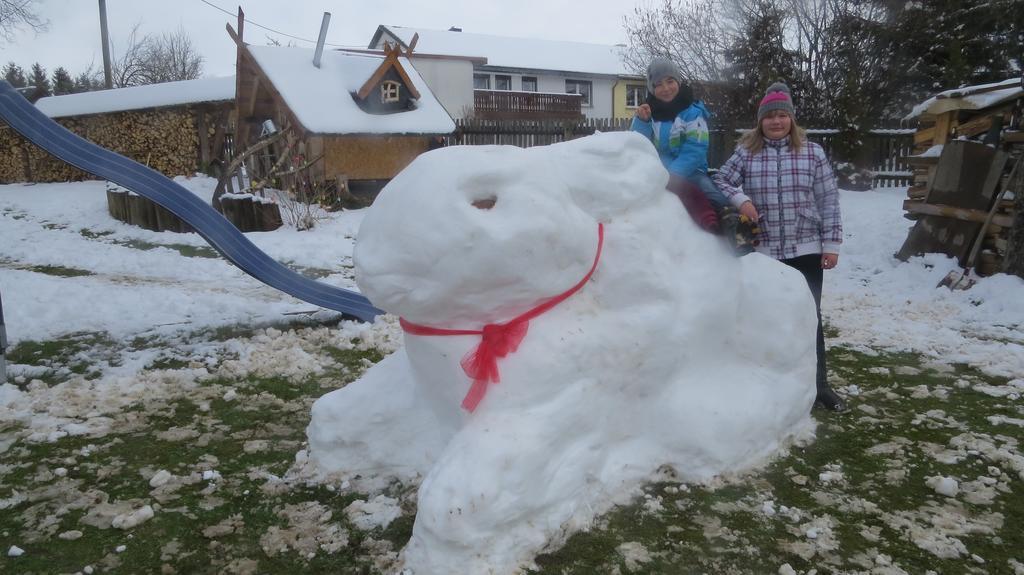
(884, 148)
(503, 104)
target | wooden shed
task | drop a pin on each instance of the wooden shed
(176, 128)
(353, 121)
(968, 168)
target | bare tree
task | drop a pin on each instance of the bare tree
(693, 33)
(17, 15)
(156, 59)
(172, 57)
(128, 66)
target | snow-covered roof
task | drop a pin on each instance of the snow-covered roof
(321, 98)
(969, 98)
(139, 97)
(520, 53)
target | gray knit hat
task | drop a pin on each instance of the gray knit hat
(777, 97)
(660, 68)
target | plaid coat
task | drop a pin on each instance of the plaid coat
(795, 194)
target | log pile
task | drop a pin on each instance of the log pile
(965, 150)
(137, 210)
(251, 213)
(165, 139)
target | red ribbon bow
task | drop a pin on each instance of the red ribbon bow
(497, 340)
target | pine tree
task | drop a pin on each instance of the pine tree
(943, 44)
(84, 82)
(62, 82)
(40, 80)
(14, 75)
(756, 59)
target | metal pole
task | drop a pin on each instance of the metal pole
(323, 38)
(3, 346)
(107, 78)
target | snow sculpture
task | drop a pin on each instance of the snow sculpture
(673, 353)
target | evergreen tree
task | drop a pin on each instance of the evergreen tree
(85, 82)
(943, 44)
(756, 58)
(62, 82)
(14, 75)
(40, 80)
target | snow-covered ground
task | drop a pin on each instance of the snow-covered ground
(871, 299)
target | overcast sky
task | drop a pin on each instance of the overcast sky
(73, 36)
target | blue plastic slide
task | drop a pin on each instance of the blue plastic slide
(218, 231)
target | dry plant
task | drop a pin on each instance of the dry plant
(303, 208)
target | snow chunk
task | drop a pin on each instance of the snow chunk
(130, 520)
(160, 478)
(377, 512)
(947, 486)
(15, 551)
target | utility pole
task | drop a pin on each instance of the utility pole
(107, 77)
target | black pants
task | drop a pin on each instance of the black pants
(810, 266)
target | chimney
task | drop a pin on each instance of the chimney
(455, 29)
(323, 37)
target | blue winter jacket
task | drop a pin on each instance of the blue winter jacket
(682, 143)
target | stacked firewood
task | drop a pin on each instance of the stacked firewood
(989, 191)
(165, 139)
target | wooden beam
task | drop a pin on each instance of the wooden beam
(943, 125)
(921, 160)
(234, 35)
(925, 135)
(253, 93)
(241, 24)
(956, 213)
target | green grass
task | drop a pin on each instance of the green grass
(59, 271)
(249, 429)
(60, 359)
(753, 542)
(118, 467)
(183, 249)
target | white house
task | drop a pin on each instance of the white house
(456, 63)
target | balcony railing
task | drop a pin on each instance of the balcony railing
(507, 105)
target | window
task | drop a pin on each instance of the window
(502, 82)
(389, 91)
(481, 81)
(529, 83)
(636, 94)
(581, 87)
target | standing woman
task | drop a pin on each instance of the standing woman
(779, 179)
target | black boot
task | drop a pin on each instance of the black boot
(829, 399)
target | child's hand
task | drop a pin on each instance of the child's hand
(748, 209)
(644, 112)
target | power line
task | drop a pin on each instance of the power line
(285, 34)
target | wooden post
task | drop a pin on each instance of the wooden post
(943, 126)
(204, 140)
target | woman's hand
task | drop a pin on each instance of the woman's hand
(829, 261)
(644, 112)
(748, 209)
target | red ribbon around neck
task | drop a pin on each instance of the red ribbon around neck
(499, 339)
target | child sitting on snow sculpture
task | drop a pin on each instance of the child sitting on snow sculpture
(568, 333)
(677, 126)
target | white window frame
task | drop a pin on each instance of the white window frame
(390, 91)
(525, 79)
(641, 90)
(487, 81)
(573, 86)
(499, 78)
